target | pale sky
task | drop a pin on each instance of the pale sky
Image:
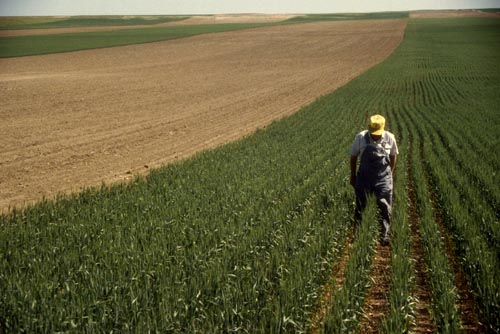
(179, 7)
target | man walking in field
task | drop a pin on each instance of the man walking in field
(378, 152)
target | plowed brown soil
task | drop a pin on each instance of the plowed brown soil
(78, 119)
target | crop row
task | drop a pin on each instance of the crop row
(452, 130)
(224, 241)
(433, 108)
(401, 313)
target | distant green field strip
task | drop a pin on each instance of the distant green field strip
(45, 44)
(11, 22)
(348, 16)
(490, 10)
(83, 21)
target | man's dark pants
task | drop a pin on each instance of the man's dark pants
(382, 190)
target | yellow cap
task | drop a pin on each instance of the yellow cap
(376, 126)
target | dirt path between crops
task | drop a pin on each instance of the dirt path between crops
(376, 303)
(469, 313)
(423, 322)
(78, 119)
(193, 20)
(336, 281)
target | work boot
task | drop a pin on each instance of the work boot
(385, 240)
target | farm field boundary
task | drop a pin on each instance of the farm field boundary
(17, 43)
(347, 17)
(29, 23)
(15, 26)
(115, 112)
(245, 237)
(18, 46)
(459, 13)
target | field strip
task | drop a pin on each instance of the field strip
(78, 119)
(423, 321)
(469, 319)
(376, 303)
(345, 307)
(194, 20)
(337, 279)
(71, 30)
(428, 14)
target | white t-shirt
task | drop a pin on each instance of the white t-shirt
(387, 141)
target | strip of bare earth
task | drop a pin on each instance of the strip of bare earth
(78, 119)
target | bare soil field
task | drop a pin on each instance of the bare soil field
(423, 14)
(212, 19)
(235, 18)
(78, 119)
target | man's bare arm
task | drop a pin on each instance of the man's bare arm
(394, 158)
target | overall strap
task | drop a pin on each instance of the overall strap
(367, 138)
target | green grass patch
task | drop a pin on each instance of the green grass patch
(46, 44)
(348, 17)
(490, 10)
(12, 22)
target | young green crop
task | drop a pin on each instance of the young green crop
(242, 238)
(83, 21)
(347, 17)
(439, 97)
(400, 296)
(344, 313)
